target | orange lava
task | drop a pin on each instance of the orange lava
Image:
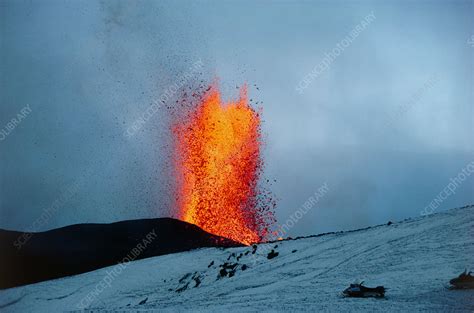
(218, 165)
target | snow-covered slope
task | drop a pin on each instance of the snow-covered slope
(414, 259)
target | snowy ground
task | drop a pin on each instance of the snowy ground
(414, 259)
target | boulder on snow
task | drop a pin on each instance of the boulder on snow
(272, 254)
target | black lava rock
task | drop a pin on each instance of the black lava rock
(272, 255)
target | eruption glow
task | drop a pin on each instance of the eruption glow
(218, 165)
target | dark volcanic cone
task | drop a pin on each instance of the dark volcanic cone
(85, 247)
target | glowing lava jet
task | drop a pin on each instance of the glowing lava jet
(218, 165)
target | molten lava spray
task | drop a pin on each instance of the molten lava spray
(218, 164)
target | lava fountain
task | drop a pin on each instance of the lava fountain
(218, 164)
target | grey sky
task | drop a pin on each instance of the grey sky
(89, 69)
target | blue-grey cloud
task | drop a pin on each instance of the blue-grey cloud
(374, 125)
